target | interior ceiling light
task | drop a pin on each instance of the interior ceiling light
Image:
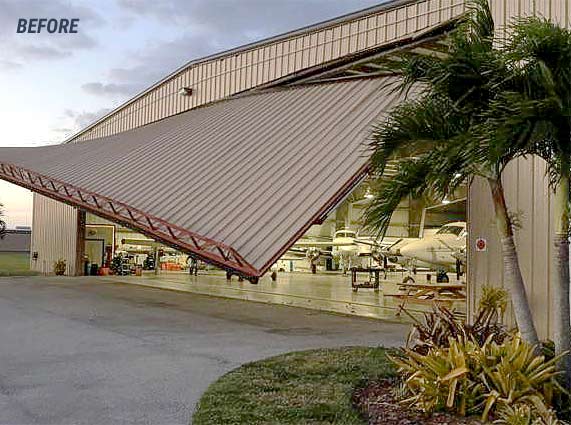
(185, 91)
(369, 195)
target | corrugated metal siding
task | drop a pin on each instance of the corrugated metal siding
(557, 10)
(248, 172)
(243, 69)
(54, 234)
(529, 198)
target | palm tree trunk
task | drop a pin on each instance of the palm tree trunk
(513, 279)
(560, 300)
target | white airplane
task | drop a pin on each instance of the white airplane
(441, 250)
(444, 249)
(346, 245)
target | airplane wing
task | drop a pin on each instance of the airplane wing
(384, 243)
(321, 243)
(388, 245)
(294, 250)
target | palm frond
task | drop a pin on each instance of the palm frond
(478, 23)
(411, 180)
(415, 127)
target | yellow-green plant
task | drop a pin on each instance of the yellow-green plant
(494, 299)
(59, 267)
(514, 374)
(472, 378)
(440, 379)
(523, 414)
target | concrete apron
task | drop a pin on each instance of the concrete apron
(326, 292)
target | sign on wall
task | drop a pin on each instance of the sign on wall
(481, 245)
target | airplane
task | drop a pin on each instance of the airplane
(444, 251)
(345, 246)
(444, 248)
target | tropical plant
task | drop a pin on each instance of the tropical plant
(522, 414)
(438, 136)
(59, 267)
(469, 378)
(441, 326)
(117, 264)
(493, 301)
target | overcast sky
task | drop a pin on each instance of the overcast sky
(53, 85)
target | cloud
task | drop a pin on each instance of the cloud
(265, 17)
(111, 89)
(207, 27)
(152, 63)
(83, 119)
(21, 48)
(65, 130)
(41, 52)
(7, 65)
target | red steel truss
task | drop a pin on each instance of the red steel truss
(179, 238)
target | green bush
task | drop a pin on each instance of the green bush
(479, 368)
(469, 378)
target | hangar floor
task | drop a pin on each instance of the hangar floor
(327, 292)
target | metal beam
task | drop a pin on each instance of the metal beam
(201, 247)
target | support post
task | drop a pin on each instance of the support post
(80, 243)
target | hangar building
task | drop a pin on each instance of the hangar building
(235, 158)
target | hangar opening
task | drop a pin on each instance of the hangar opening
(333, 266)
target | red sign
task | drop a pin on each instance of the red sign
(481, 244)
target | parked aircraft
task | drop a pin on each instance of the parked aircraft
(443, 249)
(345, 246)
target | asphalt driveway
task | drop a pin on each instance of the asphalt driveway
(80, 351)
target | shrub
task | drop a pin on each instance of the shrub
(59, 267)
(472, 378)
(522, 414)
(479, 368)
(442, 324)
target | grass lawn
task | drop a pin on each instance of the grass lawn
(15, 264)
(309, 387)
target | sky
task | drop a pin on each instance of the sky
(52, 85)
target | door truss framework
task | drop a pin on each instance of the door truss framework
(177, 237)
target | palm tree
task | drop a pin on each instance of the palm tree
(439, 135)
(540, 53)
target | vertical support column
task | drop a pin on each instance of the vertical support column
(80, 243)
